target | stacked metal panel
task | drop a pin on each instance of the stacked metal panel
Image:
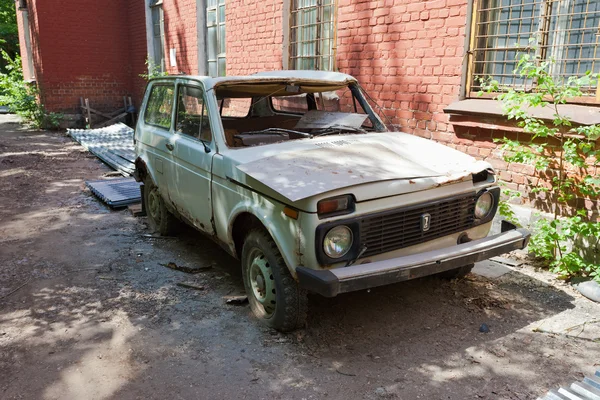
(588, 389)
(112, 144)
(116, 192)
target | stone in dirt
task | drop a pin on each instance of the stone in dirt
(187, 270)
(590, 289)
(236, 300)
(190, 285)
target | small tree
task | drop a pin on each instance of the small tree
(22, 98)
(563, 156)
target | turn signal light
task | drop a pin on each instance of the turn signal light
(336, 206)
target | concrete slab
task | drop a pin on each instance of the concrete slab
(507, 261)
(490, 269)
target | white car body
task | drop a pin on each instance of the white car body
(382, 171)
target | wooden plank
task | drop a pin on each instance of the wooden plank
(100, 113)
(89, 115)
(112, 120)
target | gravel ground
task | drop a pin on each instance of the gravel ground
(88, 310)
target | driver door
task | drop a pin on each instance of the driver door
(193, 150)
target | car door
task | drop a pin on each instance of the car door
(192, 151)
(156, 132)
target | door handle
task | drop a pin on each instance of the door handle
(170, 146)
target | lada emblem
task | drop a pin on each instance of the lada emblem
(425, 222)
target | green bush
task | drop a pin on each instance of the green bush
(567, 244)
(154, 71)
(22, 98)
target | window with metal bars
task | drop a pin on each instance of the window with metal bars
(215, 37)
(566, 31)
(312, 34)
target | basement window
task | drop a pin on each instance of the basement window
(568, 32)
(312, 34)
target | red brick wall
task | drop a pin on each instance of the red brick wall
(181, 33)
(408, 55)
(138, 49)
(254, 36)
(84, 52)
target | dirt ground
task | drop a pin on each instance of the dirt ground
(89, 311)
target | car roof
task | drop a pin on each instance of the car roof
(288, 76)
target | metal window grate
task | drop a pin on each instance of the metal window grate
(312, 34)
(568, 32)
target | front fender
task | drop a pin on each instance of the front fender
(284, 230)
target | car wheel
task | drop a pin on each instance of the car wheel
(456, 273)
(161, 220)
(274, 295)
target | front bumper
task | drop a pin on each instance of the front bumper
(332, 282)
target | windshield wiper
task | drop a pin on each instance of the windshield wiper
(278, 131)
(339, 129)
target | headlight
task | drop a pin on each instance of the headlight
(338, 241)
(484, 205)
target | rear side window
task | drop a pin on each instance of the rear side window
(235, 107)
(160, 105)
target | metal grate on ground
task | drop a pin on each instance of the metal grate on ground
(112, 144)
(116, 192)
(587, 389)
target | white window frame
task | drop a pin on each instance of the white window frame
(324, 56)
(150, 39)
(218, 53)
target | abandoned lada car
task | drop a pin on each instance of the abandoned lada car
(295, 174)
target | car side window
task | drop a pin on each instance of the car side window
(160, 105)
(192, 114)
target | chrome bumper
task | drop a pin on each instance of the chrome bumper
(332, 282)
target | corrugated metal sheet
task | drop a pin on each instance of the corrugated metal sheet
(116, 192)
(112, 144)
(588, 389)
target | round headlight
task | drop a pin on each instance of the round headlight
(338, 241)
(484, 205)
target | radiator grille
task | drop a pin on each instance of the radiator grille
(401, 228)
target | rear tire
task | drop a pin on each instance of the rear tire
(457, 273)
(160, 219)
(274, 295)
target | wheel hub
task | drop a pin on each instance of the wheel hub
(154, 205)
(262, 282)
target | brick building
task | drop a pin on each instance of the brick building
(418, 59)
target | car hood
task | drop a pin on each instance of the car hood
(304, 168)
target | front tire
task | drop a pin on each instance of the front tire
(160, 219)
(274, 295)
